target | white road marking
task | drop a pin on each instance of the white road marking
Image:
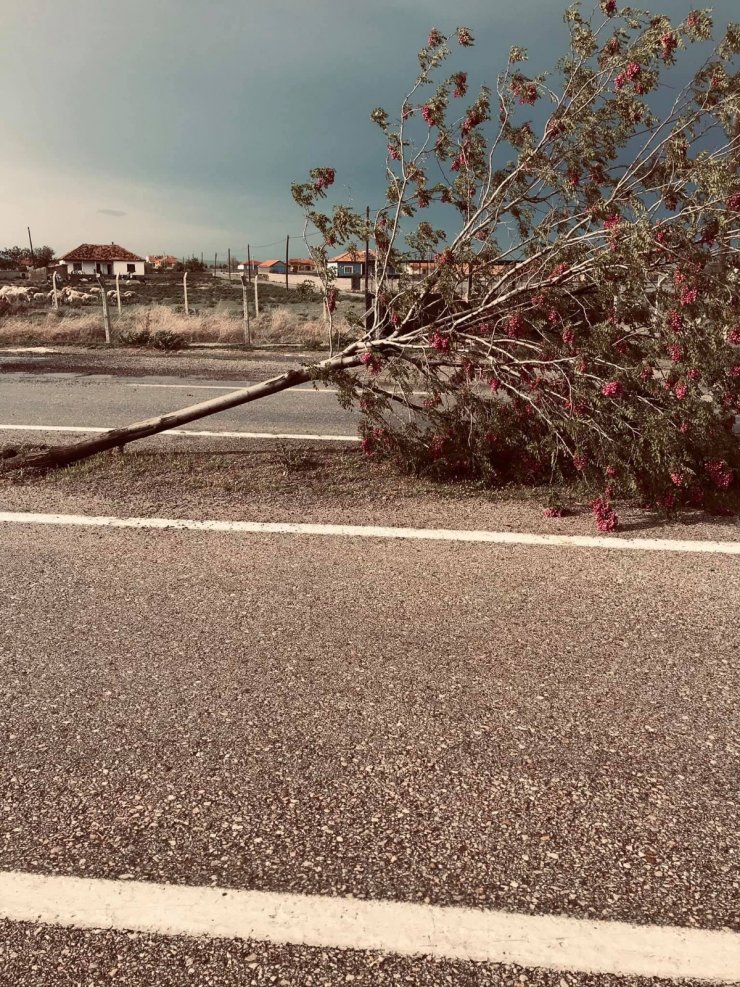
(236, 387)
(372, 531)
(82, 429)
(552, 942)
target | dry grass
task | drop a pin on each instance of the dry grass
(81, 328)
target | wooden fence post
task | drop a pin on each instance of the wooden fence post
(287, 267)
(118, 293)
(245, 303)
(106, 313)
(54, 295)
(185, 292)
(256, 296)
(229, 263)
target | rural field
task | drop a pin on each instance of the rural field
(153, 313)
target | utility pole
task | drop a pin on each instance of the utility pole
(229, 262)
(185, 292)
(256, 297)
(30, 241)
(287, 251)
(249, 264)
(215, 263)
(367, 269)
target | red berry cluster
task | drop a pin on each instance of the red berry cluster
(612, 389)
(440, 342)
(604, 515)
(668, 44)
(720, 473)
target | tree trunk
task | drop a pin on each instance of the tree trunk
(119, 437)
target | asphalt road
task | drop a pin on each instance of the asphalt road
(546, 731)
(110, 401)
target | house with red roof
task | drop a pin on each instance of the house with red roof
(107, 259)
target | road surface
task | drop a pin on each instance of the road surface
(521, 729)
(76, 400)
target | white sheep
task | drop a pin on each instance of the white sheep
(14, 294)
(111, 295)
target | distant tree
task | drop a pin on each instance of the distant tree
(191, 264)
(11, 258)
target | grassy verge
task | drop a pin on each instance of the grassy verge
(84, 328)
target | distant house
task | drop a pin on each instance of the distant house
(244, 266)
(350, 266)
(162, 262)
(272, 267)
(107, 259)
(302, 265)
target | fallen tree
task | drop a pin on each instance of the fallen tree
(581, 320)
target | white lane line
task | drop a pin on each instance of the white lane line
(372, 531)
(236, 387)
(82, 429)
(547, 941)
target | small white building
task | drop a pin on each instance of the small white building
(107, 259)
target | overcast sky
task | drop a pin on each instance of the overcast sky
(177, 126)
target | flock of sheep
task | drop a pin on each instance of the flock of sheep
(66, 296)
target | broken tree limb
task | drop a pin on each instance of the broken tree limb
(119, 437)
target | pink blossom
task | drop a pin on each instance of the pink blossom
(675, 353)
(574, 177)
(620, 81)
(612, 222)
(733, 203)
(612, 389)
(372, 362)
(693, 19)
(494, 384)
(689, 296)
(720, 473)
(680, 390)
(694, 374)
(515, 325)
(554, 512)
(733, 336)
(609, 7)
(611, 471)
(684, 427)
(393, 153)
(559, 270)
(435, 38)
(633, 70)
(568, 336)
(464, 37)
(734, 371)
(580, 461)
(678, 479)
(661, 236)
(461, 84)
(430, 115)
(440, 342)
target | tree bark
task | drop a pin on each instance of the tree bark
(119, 437)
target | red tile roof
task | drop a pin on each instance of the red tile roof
(270, 263)
(100, 251)
(353, 255)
